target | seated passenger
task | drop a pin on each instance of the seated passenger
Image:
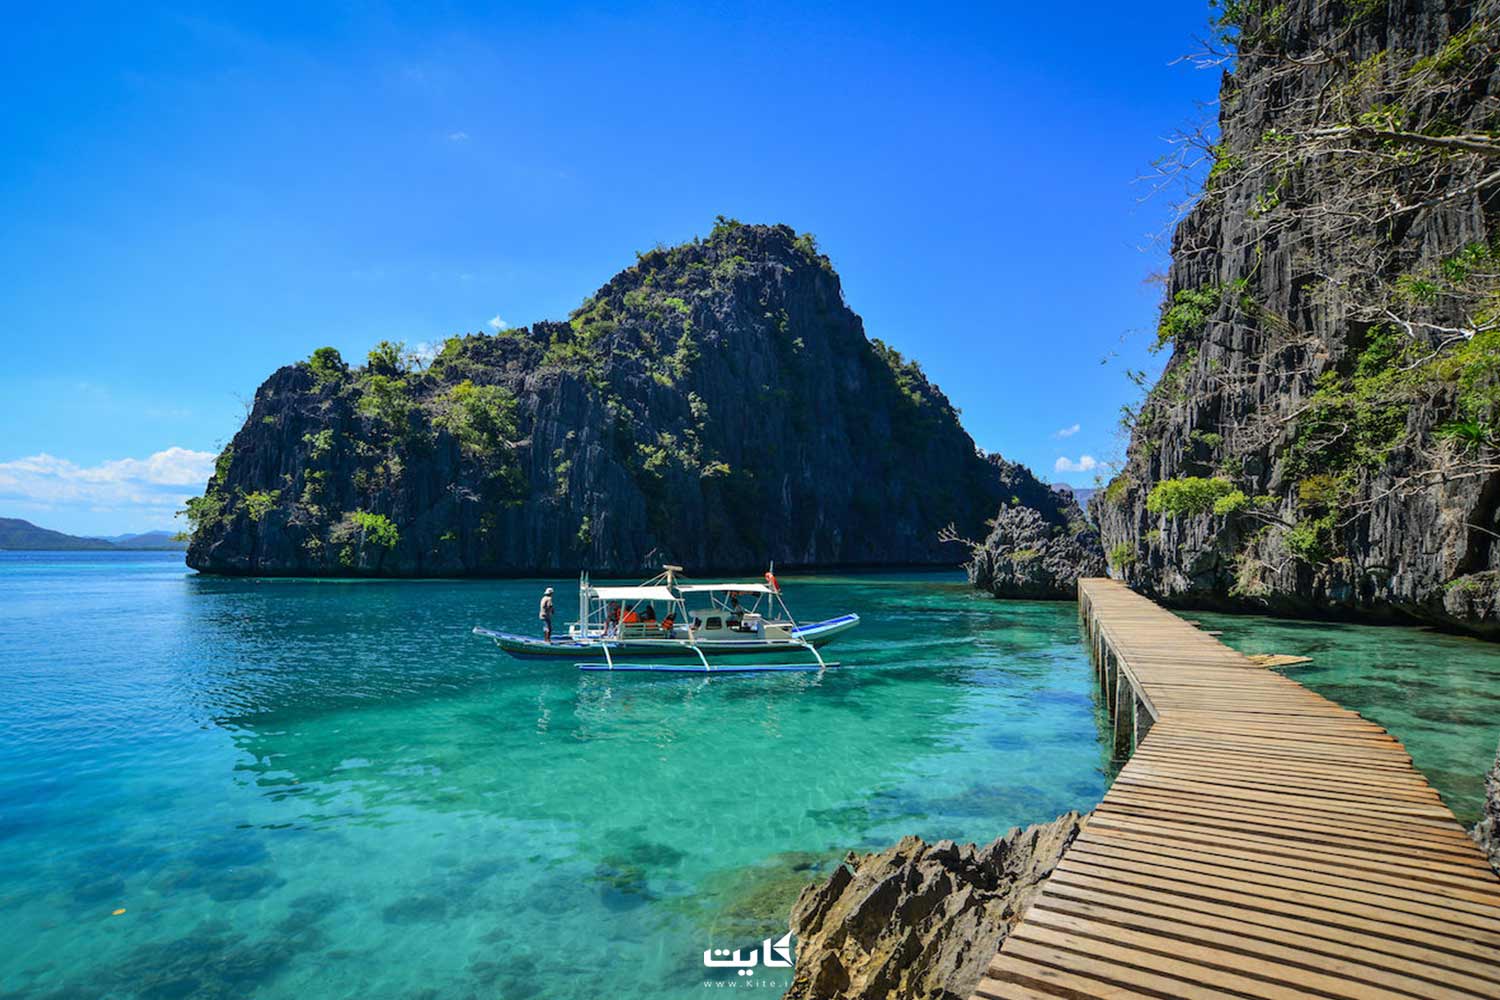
(666, 624)
(630, 617)
(649, 615)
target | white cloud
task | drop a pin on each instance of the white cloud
(1085, 463)
(497, 322)
(1068, 432)
(459, 136)
(157, 484)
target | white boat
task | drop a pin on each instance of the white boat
(667, 624)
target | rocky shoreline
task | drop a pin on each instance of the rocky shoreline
(920, 921)
(1486, 832)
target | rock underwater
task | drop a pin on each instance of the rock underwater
(919, 921)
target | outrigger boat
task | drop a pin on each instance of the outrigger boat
(713, 627)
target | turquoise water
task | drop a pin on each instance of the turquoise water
(1439, 694)
(301, 789)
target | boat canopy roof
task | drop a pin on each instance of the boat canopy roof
(634, 593)
(743, 588)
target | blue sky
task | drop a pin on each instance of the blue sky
(195, 196)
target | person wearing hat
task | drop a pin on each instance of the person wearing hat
(545, 614)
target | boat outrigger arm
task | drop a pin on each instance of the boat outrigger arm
(668, 619)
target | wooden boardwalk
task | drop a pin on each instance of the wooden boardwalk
(1262, 841)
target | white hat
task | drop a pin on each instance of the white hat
(547, 591)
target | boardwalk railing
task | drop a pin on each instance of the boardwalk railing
(1261, 841)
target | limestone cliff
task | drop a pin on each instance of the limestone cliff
(1325, 438)
(716, 405)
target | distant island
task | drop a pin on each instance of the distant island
(17, 535)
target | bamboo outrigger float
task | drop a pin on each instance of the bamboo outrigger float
(693, 627)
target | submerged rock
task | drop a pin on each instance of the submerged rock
(1487, 831)
(919, 921)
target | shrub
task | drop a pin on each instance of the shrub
(385, 399)
(318, 444)
(260, 503)
(1469, 435)
(1319, 492)
(724, 225)
(1122, 555)
(1231, 503)
(1187, 315)
(1114, 493)
(1188, 495)
(481, 417)
(1311, 540)
(327, 365)
(203, 513)
(376, 529)
(389, 359)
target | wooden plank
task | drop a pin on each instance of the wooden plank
(1110, 970)
(1426, 906)
(995, 989)
(1219, 760)
(1235, 934)
(1146, 775)
(1317, 932)
(1452, 882)
(1382, 882)
(1052, 981)
(1353, 917)
(1303, 823)
(1283, 969)
(1277, 781)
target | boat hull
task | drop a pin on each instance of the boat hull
(817, 634)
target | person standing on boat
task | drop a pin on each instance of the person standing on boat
(545, 614)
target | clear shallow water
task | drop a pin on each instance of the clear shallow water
(1439, 694)
(332, 789)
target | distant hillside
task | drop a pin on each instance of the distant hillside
(147, 540)
(23, 536)
(1079, 493)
